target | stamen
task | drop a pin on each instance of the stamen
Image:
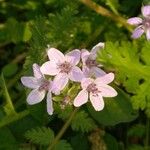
(93, 89)
(146, 22)
(91, 63)
(65, 67)
(44, 86)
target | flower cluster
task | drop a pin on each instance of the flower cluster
(143, 24)
(62, 68)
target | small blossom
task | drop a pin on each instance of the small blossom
(40, 86)
(143, 25)
(95, 90)
(90, 66)
(64, 67)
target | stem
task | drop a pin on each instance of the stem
(9, 119)
(147, 134)
(104, 12)
(63, 129)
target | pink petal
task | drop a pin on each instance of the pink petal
(107, 91)
(106, 79)
(73, 57)
(49, 68)
(148, 34)
(97, 102)
(35, 96)
(97, 72)
(146, 11)
(86, 71)
(76, 74)
(137, 32)
(36, 70)
(49, 103)
(97, 47)
(59, 83)
(81, 98)
(134, 21)
(55, 55)
(85, 82)
(84, 55)
(30, 82)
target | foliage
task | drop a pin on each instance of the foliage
(27, 29)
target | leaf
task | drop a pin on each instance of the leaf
(116, 110)
(40, 135)
(132, 68)
(8, 107)
(62, 145)
(82, 122)
(10, 69)
(110, 142)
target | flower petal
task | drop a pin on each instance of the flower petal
(97, 72)
(134, 21)
(97, 47)
(49, 103)
(137, 32)
(148, 34)
(84, 55)
(73, 57)
(36, 71)
(49, 68)
(106, 79)
(59, 83)
(146, 11)
(97, 102)
(81, 98)
(107, 91)
(35, 96)
(30, 82)
(55, 55)
(85, 82)
(76, 74)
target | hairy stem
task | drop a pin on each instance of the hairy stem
(62, 131)
(104, 12)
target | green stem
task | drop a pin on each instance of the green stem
(63, 129)
(14, 117)
(147, 134)
(104, 12)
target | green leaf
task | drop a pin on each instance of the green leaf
(83, 122)
(62, 145)
(8, 107)
(10, 69)
(132, 70)
(40, 135)
(110, 142)
(116, 110)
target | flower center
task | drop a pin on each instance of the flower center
(146, 22)
(90, 63)
(92, 89)
(45, 85)
(65, 67)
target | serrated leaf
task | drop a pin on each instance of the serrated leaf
(62, 145)
(82, 122)
(116, 110)
(40, 135)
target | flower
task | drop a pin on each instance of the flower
(40, 86)
(64, 67)
(90, 66)
(95, 90)
(143, 25)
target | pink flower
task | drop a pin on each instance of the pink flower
(95, 90)
(90, 66)
(143, 25)
(64, 67)
(40, 86)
